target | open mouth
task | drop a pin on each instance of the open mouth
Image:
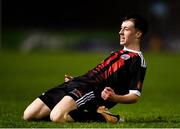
(122, 38)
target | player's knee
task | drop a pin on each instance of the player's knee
(58, 118)
(27, 115)
(30, 114)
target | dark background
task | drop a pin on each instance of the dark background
(66, 13)
(95, 15)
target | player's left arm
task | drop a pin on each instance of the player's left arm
(138, 73)
(109, 94)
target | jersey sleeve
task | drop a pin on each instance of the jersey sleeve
(137, 70)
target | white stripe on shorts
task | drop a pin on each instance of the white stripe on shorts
(85, 98)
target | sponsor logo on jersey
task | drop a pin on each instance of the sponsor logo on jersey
(125, 56)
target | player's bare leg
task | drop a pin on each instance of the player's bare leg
(61, 110)
(36, 110)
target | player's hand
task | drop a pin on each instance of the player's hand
(67, 78)
(108, 94)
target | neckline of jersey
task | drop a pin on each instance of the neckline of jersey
(130, 50)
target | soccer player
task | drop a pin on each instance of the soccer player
(118, 79)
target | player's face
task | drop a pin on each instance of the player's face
(127, 33)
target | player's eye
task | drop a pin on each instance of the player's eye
(125, 28)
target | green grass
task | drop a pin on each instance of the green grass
(25, 76)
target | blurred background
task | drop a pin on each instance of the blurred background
(41, 40)
(85, 25)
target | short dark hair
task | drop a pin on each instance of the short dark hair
(139, 22)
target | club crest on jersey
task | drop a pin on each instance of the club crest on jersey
(125, 56)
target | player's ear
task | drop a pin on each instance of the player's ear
(138, 34)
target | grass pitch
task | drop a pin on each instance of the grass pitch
(23, 77)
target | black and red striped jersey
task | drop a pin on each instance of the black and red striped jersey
(123, 71)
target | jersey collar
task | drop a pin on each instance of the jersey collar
(130, 50)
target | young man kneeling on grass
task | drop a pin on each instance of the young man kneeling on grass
(118, 79)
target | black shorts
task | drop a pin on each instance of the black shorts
(81, 91)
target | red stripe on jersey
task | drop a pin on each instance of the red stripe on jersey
(113, 68)
(132, 54)
(116, 66)
(106, 62)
